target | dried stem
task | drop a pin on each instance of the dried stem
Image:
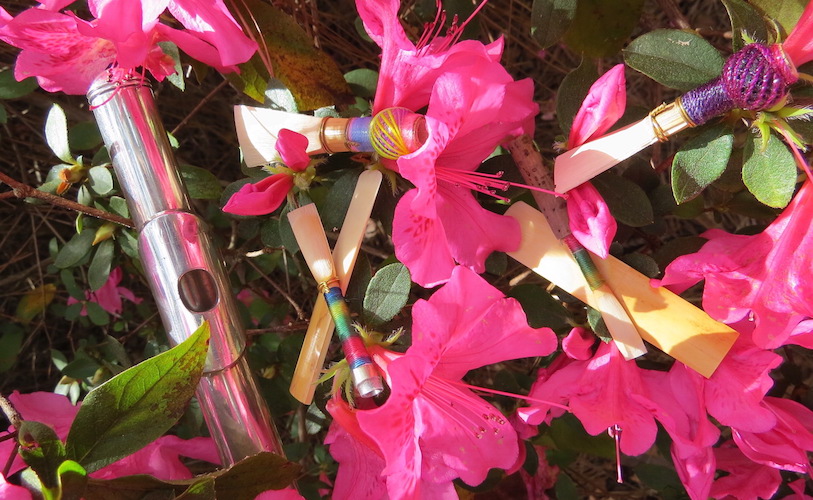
(10, 412)
(21, 190)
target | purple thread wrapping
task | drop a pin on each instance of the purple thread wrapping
(752, 78)
(358, 135)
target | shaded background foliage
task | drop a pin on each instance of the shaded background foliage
(53, 344)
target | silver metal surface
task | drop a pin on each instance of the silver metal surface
(183, 266)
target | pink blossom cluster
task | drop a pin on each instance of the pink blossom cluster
(66, 53)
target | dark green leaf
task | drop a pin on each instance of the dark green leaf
(56, 134)
(745, 204)
(363, 82)
(677, 247)
(10, 88)
(387, 293)
(42, 450)
(785, 12)
(550, 19)
(572, 91)
(175, 78)
(138, 405)
(100, 180)
(200, 183)
(541, 309)
(771, 174)
(99, 269)
(200, 490)
(565, 488)
(674, 58)
(118, 205)
(75, 249)
(250, 477)
(82, 366)
(10, 342)
(597, 324)
(664, 480)
(84, 135)
(600, 28)
(97, 315)
(286, 234)
(569, 434)
(747, 19)
(701, 161)
(3, 115)
(73, 479)
(269, 233)
(627, 201)
(338, 200)
(644, 264)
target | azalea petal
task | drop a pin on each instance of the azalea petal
(212, 22)
(420, 243)
(799, 44)
(746, 480)
(590, 220)
(260, 198)
(603, 106)
(578, 343)
(292, 147)
(13, 492)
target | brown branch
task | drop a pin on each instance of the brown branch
(674, 14)
(21, 190)
(10, 412)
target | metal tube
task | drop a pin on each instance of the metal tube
(183, 266)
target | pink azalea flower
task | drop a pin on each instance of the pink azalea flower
(473, 106)
(602, 392)
(590, 220)
(786, 445)
(267, 195)
(67, 53)
(763, 277)
(109, 295)
(579, 344)
(432, 428)
(746, 480)
(798, 488)
(160, 458)
(12, 492)
(543, 479)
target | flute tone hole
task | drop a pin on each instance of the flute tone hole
(198, 290)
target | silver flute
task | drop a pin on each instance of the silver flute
(183, 266)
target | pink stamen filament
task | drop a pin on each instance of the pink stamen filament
(444, 399)
(483, 182)
(432, 30)
(615, 433)
(509, 394)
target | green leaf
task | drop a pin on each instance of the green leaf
(99, 269)
(312, 76)
(200, 490)
(138, 405)
(565, 488)
(11, 340)
(200, 183)
(3, 115)
(269, 233)
(770, 175)
(10, 88)
(286, 234)
(42, 450)
(176, 78)
(100, 180)
(600, 28)
(701, 161)
(96, 314)
(362, 81)
(785, 12)
(387, 293)
(84, 135)
(73, 479)
(118, 205)
(56, 134)
(745, 18)
(550, 19)
(338, 200)
(674, 58)
(541, 309)
(572, 91)
(252, 79)
(627, 201)
(280, 97)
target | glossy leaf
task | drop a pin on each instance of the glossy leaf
(84, 136)
(600, 28)
(362, 81)
(387, 293)
(745, 18)
(10, 88)
(701, 161)
(73, 479)
(201, 184)
(674, 58)
(138, 405)
(628, 203)
(99, 269)
(56, 133)
(34, 302)
(572, 91)
(785, 12)
(75, 249)
(100, 180)
(550, 20)
(770, 175)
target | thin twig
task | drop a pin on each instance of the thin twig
(199, 106)
(675, 16)
(21, 190)
(10, 412)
